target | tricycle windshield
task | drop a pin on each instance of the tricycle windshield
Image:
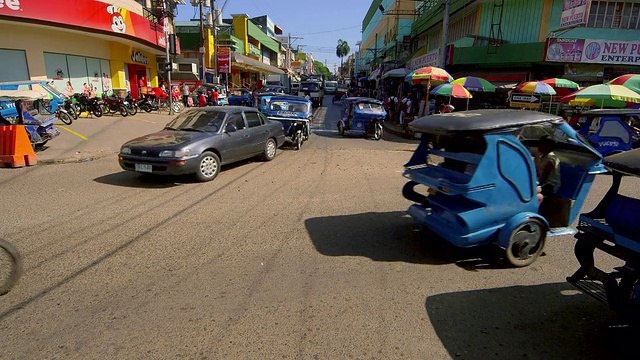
(199, 120)
(279, 105)
(371, 108)
(553, 131)
(52, 89)
(238, 92)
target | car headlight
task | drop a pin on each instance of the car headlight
(175, 153)
(125, 150)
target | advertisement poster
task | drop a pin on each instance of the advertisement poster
(224, 60)
(574, 13)
(88, 14)
(592, 51)
(429, 59)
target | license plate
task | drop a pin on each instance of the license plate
(143, 168)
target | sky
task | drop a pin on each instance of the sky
(319, 23)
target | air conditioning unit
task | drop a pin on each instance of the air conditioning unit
(188, 67)
(161, 68)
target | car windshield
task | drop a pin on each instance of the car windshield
(280, 105)
(198, 120)
(371, 108)
(535, 132)
(331, 84)
(311, 86)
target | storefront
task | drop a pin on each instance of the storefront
(91, 44)
(246, 71)
(593, 61)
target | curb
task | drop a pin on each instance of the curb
(406, 134)
(73, 160)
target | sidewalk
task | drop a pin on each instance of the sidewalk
(90, 138)
(397, 130)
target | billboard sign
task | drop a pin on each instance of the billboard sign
(224, 60)
(593, 51)
(574, 13)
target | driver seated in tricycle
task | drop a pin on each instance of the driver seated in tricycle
(485, 189)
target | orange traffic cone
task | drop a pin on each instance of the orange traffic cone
(15, 147)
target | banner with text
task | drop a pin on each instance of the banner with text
(574, 13)
(593, 51)
(88, 14)
(429, 59)
(224, 60)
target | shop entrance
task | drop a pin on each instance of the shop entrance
(136, 74)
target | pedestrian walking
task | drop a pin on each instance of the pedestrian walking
(185, 94)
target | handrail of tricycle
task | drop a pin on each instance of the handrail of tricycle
(13, 95)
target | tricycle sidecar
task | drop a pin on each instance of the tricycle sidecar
(610, 131)
(484, 191)
(295, 114)
(362, 115)
(27, 107)
(614, 228)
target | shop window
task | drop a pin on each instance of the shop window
(14, 65)
(613, 15)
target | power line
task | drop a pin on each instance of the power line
(328, 31)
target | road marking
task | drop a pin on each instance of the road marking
(73, 132)
(147, 121)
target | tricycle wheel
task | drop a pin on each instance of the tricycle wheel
(377, 134)
(340, 129)
(298, 140)
(526, 243)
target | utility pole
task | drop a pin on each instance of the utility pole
(168, 58)
(215, 39)
(445, 35)
(201, 50)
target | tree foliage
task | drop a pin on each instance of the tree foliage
(342, 49)
(320, 68)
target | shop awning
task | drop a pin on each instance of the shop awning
(374, 74)
(397, 73)
(247, 63)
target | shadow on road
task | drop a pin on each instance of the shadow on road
(131, 179)
(549, 321)
(392, 236)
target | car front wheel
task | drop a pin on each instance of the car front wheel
(269, 150)
(208, 166)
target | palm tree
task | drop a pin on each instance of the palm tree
(342, 50)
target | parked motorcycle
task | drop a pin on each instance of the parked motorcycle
(131, 104)
(148, 104)
(71, 108)
(114, 104)
(87, 104)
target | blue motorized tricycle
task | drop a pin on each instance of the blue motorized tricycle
(295, 114)
(610, 131)
(27, 107)
(479, 179)
(263, 99)
(613, 227)
(362, 115)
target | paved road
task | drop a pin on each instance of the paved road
(309, 256)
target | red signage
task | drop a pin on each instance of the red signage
(224, 60)
(88, 14)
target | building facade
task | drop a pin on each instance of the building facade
(109, 45)
(512, 41)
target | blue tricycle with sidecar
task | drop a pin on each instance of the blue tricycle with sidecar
(28, 108)
(295, 114)
(362, 115)
(479, 179)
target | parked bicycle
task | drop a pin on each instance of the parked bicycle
(10, 266)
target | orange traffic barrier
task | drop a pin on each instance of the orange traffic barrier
(15, 147)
